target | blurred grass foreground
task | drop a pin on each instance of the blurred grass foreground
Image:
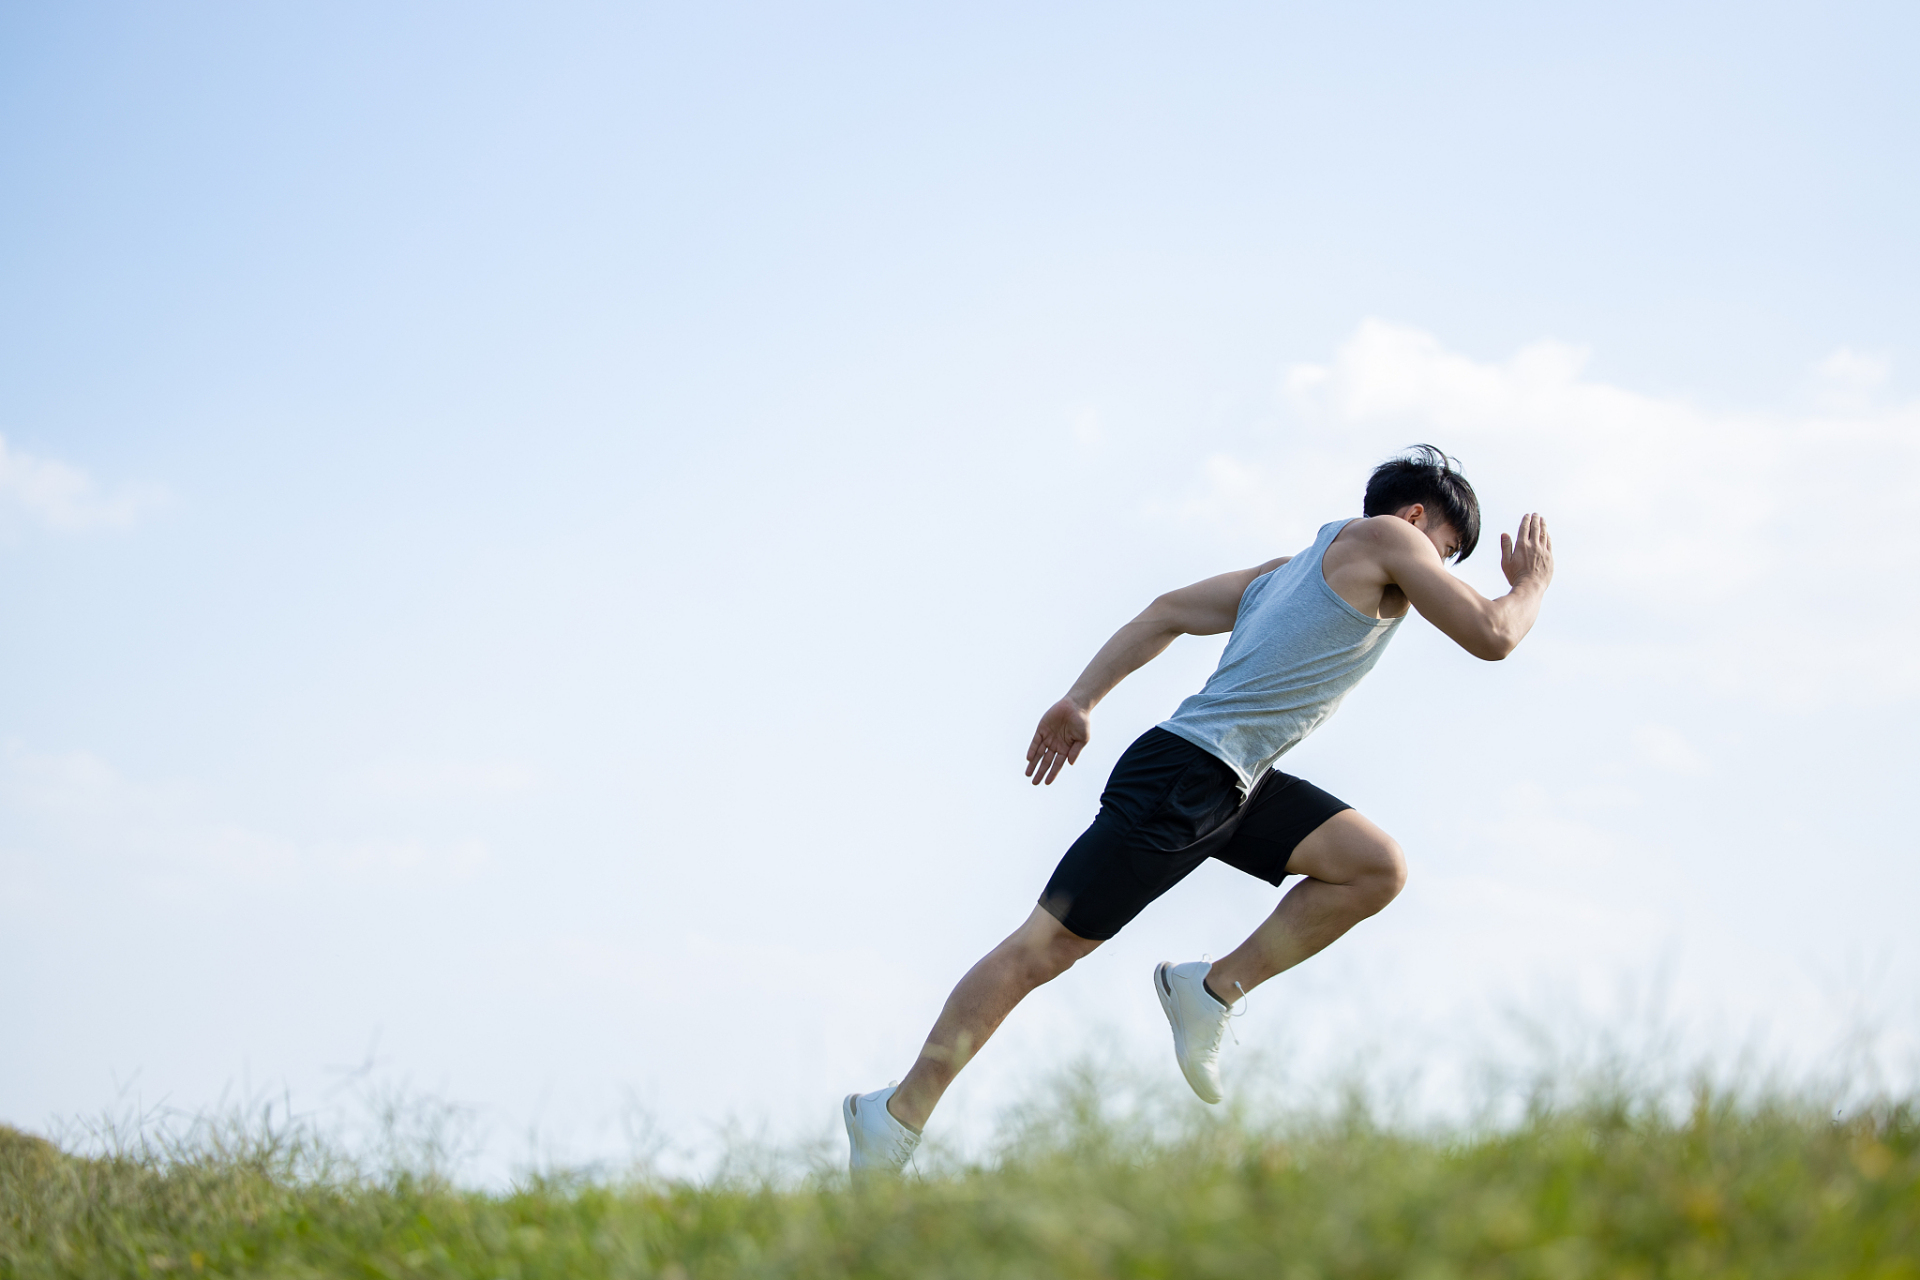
(1609, 1183)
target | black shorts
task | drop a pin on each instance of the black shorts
(1168, 807)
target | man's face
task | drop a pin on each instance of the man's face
(1444, 537)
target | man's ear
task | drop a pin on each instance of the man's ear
(1413, 513)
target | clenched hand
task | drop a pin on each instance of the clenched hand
(1062, 732)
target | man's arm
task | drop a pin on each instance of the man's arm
(1488, 629)
(1203, 609)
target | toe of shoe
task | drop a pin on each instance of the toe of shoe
(1206, 1086)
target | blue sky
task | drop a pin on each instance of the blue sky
(536, 536)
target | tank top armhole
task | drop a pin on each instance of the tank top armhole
(1253, 591)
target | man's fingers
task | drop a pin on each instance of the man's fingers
(1047, 764)
(1044, 754)
(1048, 761)
(1073, 752)
(1042, 744)
(1506, 545)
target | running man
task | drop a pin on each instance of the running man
(1202, 785)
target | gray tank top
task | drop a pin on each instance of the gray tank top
(1296, 649)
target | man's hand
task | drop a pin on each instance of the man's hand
(1528, 556)
(1062, 732)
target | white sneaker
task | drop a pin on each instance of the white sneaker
(1198, 1021)
(879, 1143)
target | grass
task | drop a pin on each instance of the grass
(1612, 1185)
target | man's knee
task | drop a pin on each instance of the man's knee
(1383, 873)
(1045, 950)
(1054, 957)
(1349, 850)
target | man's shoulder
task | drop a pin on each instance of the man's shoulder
(1379, 531)
(1371, 547)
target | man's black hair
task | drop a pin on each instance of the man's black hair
(1427, 476)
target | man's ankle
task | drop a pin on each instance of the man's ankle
(916, 1128)
(1208, 987)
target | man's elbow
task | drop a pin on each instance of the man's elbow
(1165, 617)
(1494, 645)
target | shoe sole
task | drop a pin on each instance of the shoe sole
(1163, 988)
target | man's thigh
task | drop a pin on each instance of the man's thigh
(1280, 815)
(1346, 847)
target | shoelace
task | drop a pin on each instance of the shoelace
(1226, 1023)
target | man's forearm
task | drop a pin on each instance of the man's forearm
(1515, 613)
(1131, 647)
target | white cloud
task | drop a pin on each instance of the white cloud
(1741, 551)
(1850, 378)
(1668, 749)
(72, 813)
(1669, 488)
(446, 780)
(64, 498)
(1086, 428)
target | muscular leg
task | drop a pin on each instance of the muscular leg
(1353, 869)
(1037, 952)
